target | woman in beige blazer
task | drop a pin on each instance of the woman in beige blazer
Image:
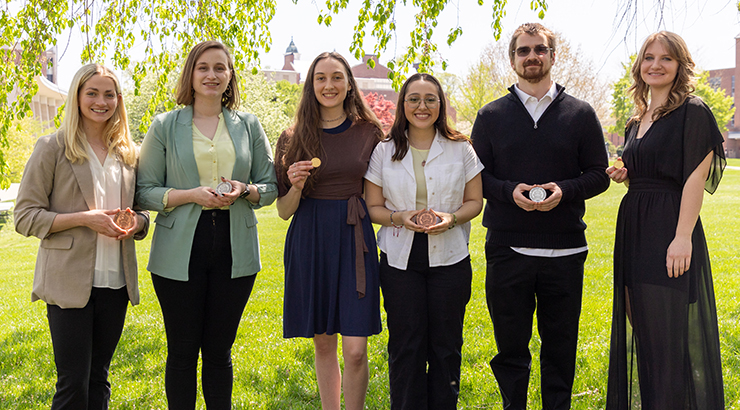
(205, 254)
(76, 196)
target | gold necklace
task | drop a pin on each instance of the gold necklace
(335, 119)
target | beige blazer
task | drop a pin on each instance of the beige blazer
(65, 263)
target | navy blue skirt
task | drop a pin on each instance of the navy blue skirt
(320, 281)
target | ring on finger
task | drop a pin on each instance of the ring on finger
(294, 174)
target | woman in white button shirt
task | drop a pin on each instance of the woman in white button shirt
(425, 271)
(74, 184)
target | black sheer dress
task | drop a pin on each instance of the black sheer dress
(666, 354)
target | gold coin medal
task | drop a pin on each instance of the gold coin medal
(619, 164)
(315, 162)
(124, 219)
(223, 188)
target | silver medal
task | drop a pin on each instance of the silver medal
(537, 194)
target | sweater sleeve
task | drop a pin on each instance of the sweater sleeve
(592, 160)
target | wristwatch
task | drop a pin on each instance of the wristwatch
(246, 192)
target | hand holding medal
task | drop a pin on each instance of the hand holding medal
(618, 172)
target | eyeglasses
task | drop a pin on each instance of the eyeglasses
(429, 102)
(540, 50)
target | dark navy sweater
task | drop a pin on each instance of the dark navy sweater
(565, 146)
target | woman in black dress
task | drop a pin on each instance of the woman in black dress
(331, 261)
(664, 309)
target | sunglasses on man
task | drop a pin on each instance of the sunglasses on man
(540, 50)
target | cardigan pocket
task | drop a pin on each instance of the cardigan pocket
(165, 220)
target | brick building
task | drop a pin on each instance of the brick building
(726, 79)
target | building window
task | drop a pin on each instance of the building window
(732, 89)
(715, 82)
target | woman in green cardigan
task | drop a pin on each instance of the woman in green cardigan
(204, 254)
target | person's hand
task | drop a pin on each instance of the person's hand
(678, 257)
(298, 173)
(618, 175)
(442, 226)
(237, 187)
(101, 221)
(552, 200)
(208, 197)
(521, 200)
(131, 231)
(407, 220)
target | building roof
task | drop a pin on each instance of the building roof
(291, 47)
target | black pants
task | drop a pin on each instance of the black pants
(201, 315)
(426, 309)
(84, 341)
(516, 286)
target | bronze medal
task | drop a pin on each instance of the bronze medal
(537, 194)
(223, 188)
(426, 218)
(124, 219)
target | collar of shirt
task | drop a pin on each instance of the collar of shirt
(535, 107)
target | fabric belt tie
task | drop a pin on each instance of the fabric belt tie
(654, 185)
(355, 214)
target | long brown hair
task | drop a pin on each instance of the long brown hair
(116, 133)
(184, 91)
(304, 136)
(397, 133)
(683, 84)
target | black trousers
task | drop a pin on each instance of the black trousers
(201, 316)
(516, 286)
(426, 309)
(84, 341)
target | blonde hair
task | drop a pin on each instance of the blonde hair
(683, 84)
(184, 91)
(116, 133)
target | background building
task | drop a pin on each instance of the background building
(726, 79)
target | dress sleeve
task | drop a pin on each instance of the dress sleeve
(701, 136)
(374, 172)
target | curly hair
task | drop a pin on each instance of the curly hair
(683, 84)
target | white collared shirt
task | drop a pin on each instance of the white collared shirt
(107, 179)
(535, 108)
(449, 166)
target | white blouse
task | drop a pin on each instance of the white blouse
(449, 166)
(107, 179)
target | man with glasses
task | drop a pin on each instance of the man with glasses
(543, 152)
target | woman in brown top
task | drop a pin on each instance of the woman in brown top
(331, 263)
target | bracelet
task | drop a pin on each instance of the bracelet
(393, 223)
(454, 221)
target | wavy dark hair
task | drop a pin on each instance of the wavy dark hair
(304, 136)
(683, 84)
(184, 93)
(397, 134)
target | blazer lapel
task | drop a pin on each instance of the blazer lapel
(238, 131)
(83, 175)
(183, 145)
(128, 184)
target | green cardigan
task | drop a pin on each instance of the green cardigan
(167, 161)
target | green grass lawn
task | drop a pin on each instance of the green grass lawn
(273, 373)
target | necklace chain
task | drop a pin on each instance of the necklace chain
(335, 119)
